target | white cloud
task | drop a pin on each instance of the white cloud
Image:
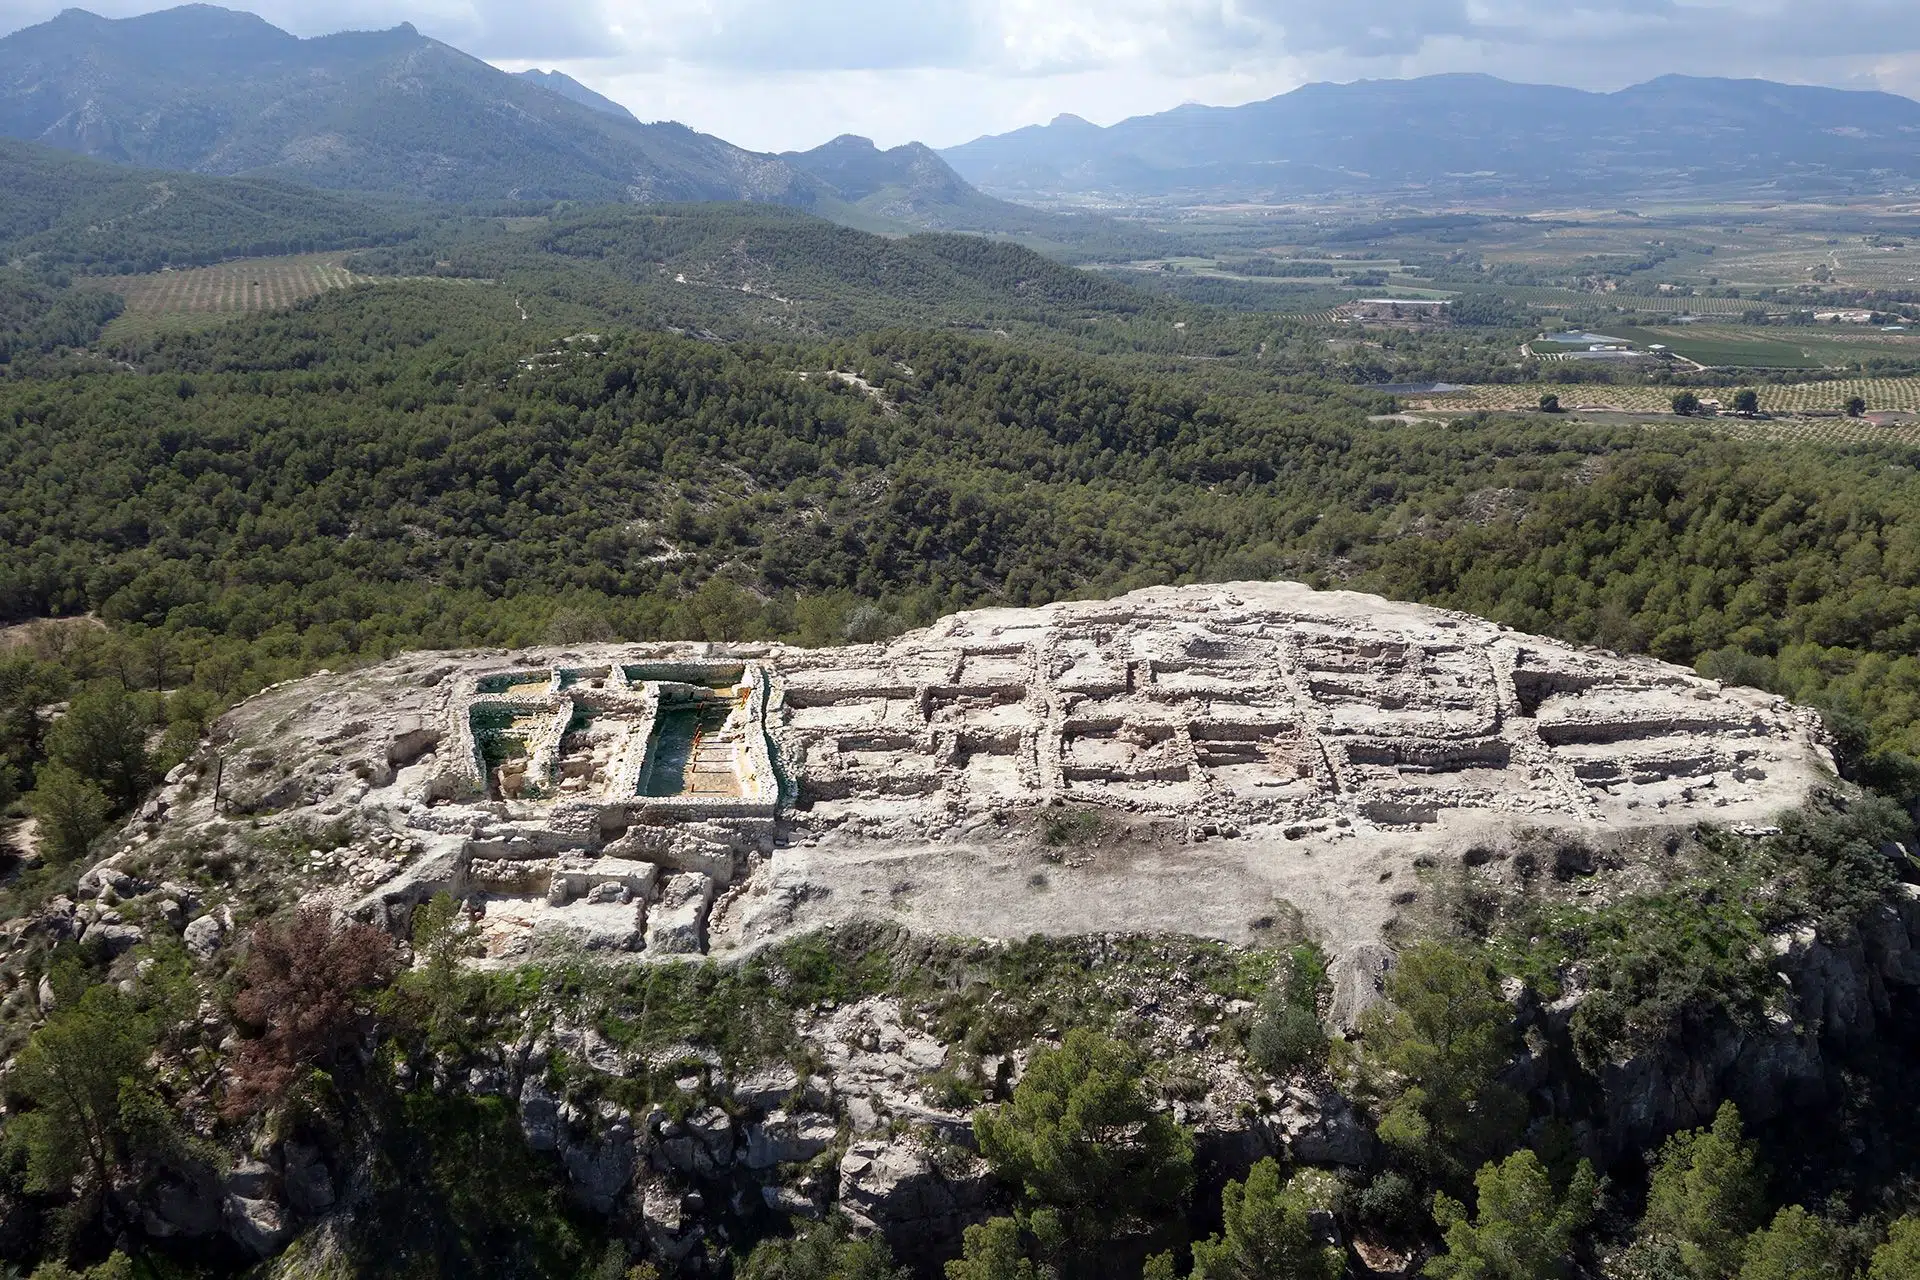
(790, 73)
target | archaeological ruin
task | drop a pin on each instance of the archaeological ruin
(1243, 745)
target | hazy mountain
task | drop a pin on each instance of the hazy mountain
(214, 91)
(1470, 133)
(567, 87)
(910, 186)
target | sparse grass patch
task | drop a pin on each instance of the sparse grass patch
(1073, 828)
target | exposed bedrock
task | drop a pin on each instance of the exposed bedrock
(1835, 1000)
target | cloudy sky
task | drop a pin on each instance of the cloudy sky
(778, 74)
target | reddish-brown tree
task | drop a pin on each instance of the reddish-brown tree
(303, 992)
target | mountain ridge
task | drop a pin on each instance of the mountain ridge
(215, 91)
(219, 92)
(567, 87)
(1469, 132)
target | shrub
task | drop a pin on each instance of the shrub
(76, 1073)
(103, 738)
(1070, 828)
(1796, 1246)
(1287, 1034)
(997, 1249)
(71, 811)
(1391, 1203)
(1431, 1054)
(1899, 1257)
(1267, 1233)
(824, 1251)
(301, 991)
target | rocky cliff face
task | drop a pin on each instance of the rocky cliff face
(1836, 999)
(877, 1123)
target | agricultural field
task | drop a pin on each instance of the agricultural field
(1712, 344)
(168, 301)
(1775, 347)
(1780, 260)
(1650, 303)
(1895, 395)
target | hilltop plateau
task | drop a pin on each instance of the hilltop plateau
(1225, 755)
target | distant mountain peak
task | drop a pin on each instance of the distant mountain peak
(1468, 134)
(1068, 120)
(217, 91)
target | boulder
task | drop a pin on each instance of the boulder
(265, 794)
(672, 1235)
(59, 920)
(788, 1139)
(1358, 976)
(1889, 946)
(767, 1088)
(713, 1129)
(176, 1207)
(104, 878)
(1830, 985)
(1321, 1127)
(251, 1180)
(412, 738)
(790, 1201)
(204, 936)
(601, 1167)
(679, 1153)
(896, 1188)
(677, 922)
(539, 1116)
(257, 1225)
(116, 939)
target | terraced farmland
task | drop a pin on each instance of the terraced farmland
(172, 300)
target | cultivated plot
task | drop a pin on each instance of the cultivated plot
(1828, 399)
(172, 300)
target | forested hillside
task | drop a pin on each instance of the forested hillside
(742, 270)
(403, 465)
(413, 465)
(67, 214)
